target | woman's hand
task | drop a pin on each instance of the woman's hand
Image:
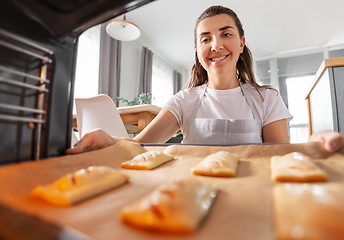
(332, 140)
(91, 141)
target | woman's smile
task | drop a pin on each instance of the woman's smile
(218, 58)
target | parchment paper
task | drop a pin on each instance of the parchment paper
(242, 210)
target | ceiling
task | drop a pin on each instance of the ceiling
(273, 28)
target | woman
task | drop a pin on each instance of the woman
(223, 104)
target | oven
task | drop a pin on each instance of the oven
(38, 42)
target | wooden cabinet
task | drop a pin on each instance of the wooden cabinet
(326, 97)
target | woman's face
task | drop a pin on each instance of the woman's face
(218, 45)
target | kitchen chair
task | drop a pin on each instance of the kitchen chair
(99, 112)
(75, 138)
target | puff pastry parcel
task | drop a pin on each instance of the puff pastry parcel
(177, 206)
(80, 185)
(147, 160)
(220, 164)
(308, 211)
(295, 167)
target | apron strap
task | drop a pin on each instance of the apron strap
(250, 103)
(198, 103)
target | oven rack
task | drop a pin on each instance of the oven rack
(30, 76)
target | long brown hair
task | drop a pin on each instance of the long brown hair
(245, 72)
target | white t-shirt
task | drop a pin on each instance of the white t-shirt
(227, 104)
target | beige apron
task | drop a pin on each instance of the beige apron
(224, 131)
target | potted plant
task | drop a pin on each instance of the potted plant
(142, 98)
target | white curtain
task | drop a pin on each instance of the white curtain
(162, 82)
(87, 64)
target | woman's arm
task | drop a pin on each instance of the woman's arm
(162, 128)
(276, 132)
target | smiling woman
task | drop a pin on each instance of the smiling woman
(223, 104)
(230, 30)
(223, 96)
(218, 49)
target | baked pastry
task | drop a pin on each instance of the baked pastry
(80, 185)
(308, 211)
(178, 206)
(295, 167)
(220, 164)
(147, 160)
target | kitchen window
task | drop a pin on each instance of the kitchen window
(299, 125)
(162, 82)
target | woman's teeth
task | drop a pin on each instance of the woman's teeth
(218, 58)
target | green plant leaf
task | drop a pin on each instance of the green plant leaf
(142, 98)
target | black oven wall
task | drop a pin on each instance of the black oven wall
(38, 40)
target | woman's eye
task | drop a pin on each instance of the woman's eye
(227, 34)
(205, 40)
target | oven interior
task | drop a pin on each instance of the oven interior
(38, 42)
